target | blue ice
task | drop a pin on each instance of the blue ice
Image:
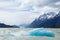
(41, 32)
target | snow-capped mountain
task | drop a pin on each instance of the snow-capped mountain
(48, 20)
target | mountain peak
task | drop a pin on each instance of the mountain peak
(47, 16)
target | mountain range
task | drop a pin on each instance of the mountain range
(48, 20)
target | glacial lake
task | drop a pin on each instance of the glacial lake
(5, 34)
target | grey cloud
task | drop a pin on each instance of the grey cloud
(28, 8)
(49, 2)
(54, 5)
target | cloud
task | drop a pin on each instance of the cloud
(48, 2)
(58, 3)
(25, 11)
(16, 18)
(29, 5)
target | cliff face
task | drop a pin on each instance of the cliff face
(49, 20)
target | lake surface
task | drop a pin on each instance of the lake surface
(5, 34)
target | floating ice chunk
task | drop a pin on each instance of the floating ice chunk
(41, 32)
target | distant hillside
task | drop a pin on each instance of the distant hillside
(2, 25)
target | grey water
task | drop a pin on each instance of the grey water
(5, 34)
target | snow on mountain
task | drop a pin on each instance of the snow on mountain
(49, 20)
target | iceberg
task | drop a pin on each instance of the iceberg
(41, 32)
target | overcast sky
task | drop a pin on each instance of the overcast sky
(15, 12)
